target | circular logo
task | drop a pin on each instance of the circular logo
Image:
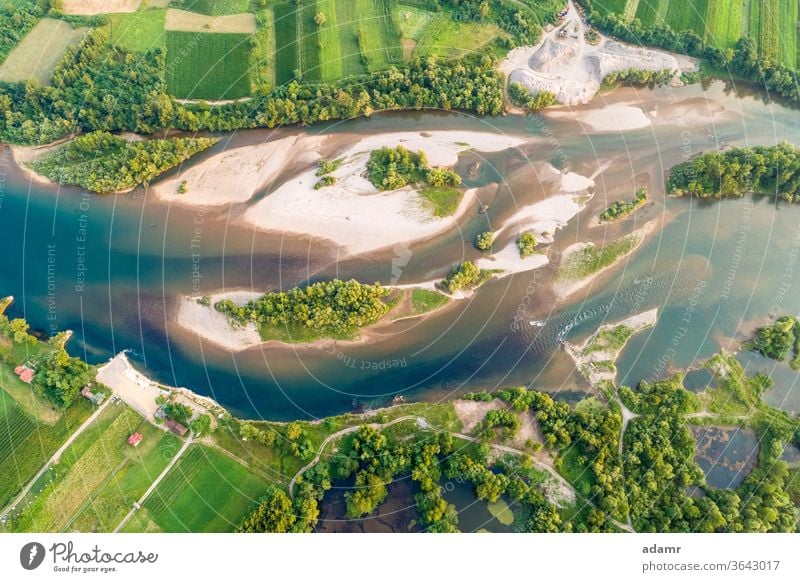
(31, 555)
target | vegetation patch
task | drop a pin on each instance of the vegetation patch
(769, 170)
(138, 32)
(215, 7)
(425, 300)
(208, 65)
(623, 208)
(206, 491)
(333, 309)
(466, 276)
(180, 20)
(591, 259)
(36, 56)
(16, 20)
(287, 55)
(101, 162)
(779, 340)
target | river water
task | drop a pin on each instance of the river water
(110, 268)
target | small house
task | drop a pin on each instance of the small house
(96, 399)
(25, 373)
(135, 439)
(176, 427)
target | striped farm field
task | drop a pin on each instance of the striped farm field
(380, 38)
(206, 491)
(723, 22)
(216, 7)
(286, 45)
(26, 443)
(688, 15)
(208, 65)
(92, 463)
(329, 48)
(769, 29)
(788, 33)
(349, 20)
(611, 6)
(309, 41)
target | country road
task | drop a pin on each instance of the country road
(155, 483)
(56, 456)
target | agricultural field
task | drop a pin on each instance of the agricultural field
(287, 51)
(98, 477)
(38, 53)
(216, 7)
(206, 491)
(26, 444)
(193, 22)
(771, 23)
(138, 32)
(208, 65)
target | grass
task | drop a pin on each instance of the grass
(425, 300)
(206, 491)
(770, 29)
(31, 449)
(380, 44)
(208, 65)
(723, 22)
(216, 7)
(138, 32)
(287, 58)
(443, 201)
(327, 37)
(38, 53)
(193, 22)
(450, 39)
(573, 469)
(262, 57)
(90, 466)
(591, 258)
(607, 340)
(412, 20)
(309, 43)
(349, 20)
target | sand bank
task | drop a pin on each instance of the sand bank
(353, 214)
(212, 326)
(235, 175)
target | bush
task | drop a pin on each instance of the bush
(621, 209)
(526, 243)
(484, 241)
(467, 275)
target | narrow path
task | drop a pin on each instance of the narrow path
(152, 487)
(54, 459)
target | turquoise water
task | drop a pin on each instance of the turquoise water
(111, 268)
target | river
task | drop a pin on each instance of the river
(110, 268)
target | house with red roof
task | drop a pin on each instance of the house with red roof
(25, 373)
(135, 439)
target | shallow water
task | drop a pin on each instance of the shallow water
(714, 271)
(726, 455)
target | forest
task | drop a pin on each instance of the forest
(769, 170)
(102, 163)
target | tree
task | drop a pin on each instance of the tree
(320, 19)
(60, 377)
(526, 243)
(274, 514)
(19, 327)
(201, 425)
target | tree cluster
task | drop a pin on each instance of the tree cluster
(778, 340)
(333, 307)
(622, 208)
(771, 170)
(60, 377)
(101, 162)
(520, 96)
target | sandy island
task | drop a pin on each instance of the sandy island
(587, 360)
(214, 327)
(353, 214)
(564, 289)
